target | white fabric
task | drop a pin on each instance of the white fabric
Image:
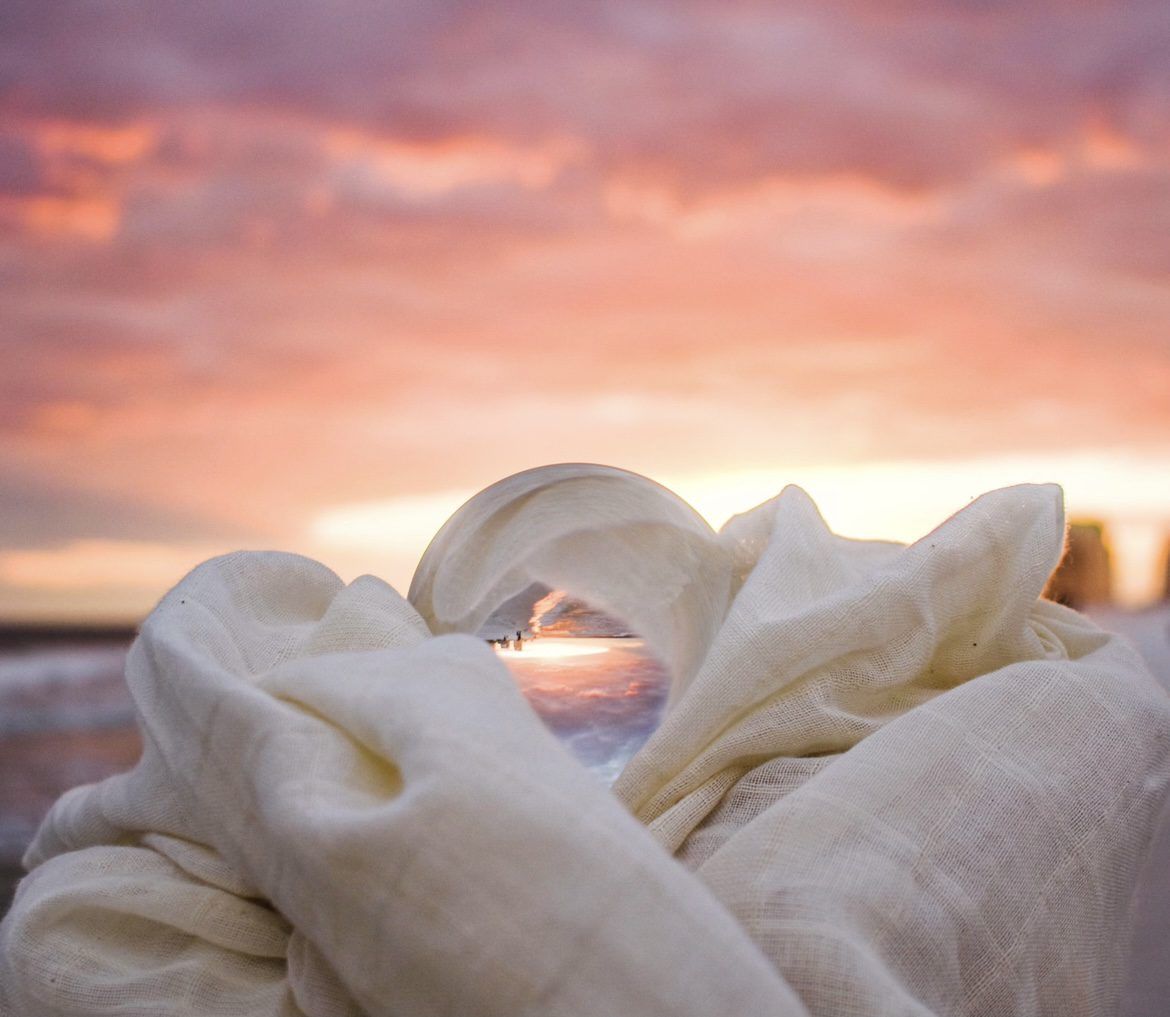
(892, 779)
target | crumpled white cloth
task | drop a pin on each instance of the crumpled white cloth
(891, 781)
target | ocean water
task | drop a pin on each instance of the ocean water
(65, 719)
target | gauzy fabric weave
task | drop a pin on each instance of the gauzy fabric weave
(891, 781)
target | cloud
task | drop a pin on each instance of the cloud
(19, 170)
(698, 94)
(258, 261)
(395, 131)
(42, 513)
(136, 566)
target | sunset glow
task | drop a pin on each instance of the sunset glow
(307, 277)
(552, 648)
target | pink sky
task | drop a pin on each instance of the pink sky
(267, 267)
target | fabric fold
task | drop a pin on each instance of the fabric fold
(830, 638)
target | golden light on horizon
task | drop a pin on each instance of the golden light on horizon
(900, 501)
(432, 170)
(554, 648)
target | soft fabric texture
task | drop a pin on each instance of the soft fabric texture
(891, 780)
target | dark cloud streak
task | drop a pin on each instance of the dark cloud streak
(40, 512)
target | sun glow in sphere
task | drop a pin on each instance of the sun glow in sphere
(553, 649)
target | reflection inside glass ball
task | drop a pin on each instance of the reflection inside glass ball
(596, 685)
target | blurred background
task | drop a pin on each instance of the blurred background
(307, 275)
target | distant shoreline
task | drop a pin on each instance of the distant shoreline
(18, 636)
(10, 875)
